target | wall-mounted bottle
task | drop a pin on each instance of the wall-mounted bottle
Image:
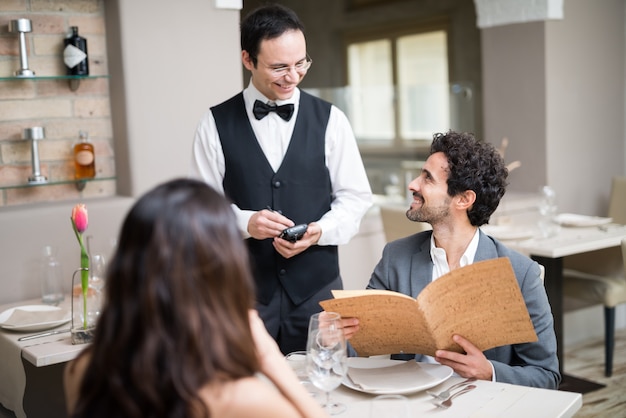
(75, 54)
(84, 158)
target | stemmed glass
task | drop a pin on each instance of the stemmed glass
(97, 271)
(326, 359)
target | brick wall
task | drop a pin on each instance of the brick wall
(52, 104)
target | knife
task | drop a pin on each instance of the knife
(43, 334)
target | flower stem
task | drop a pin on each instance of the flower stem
(84, 278)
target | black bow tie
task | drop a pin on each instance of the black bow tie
(261, 110)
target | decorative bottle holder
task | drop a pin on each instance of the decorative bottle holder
(82, 330)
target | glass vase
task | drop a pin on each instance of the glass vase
(85, 311)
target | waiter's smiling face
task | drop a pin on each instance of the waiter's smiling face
(281, 65)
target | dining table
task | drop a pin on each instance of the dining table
(32, 368)
(487, 399)
(549, 250)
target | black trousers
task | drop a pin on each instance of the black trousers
(288, 323)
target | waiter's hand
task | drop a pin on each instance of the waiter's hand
(289, 249)
(268, 224)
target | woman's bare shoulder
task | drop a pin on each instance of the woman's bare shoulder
(248, 397)
(72, 377)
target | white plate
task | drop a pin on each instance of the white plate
(507, 232)
(37, 326)
(572, 219)
(437, 374)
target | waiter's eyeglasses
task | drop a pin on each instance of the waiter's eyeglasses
(301, 67)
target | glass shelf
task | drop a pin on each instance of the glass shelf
(78, 183)
(73, 80)
(54, 77)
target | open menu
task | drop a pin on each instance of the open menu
(481, 301)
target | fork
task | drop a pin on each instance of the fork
(445, 394)
(448, 402)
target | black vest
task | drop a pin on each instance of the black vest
(300, 189)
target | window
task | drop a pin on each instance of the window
(399, 92)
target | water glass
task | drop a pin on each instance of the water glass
(297, 361)
(97, 271)
(548, 210)
(52, 291)
(326, 359)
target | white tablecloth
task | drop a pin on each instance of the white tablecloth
(13, 376)
(13, 382)
(488, 400)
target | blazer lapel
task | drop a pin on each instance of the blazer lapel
(486, 248)
(421, 267)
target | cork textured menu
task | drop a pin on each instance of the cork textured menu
(481, 301)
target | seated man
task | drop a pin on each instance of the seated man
(458, 189)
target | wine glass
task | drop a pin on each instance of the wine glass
(97, 271)
(326, 358)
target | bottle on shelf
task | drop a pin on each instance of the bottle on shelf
(84, 158)
(75, 54)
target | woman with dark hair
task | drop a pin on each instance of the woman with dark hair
(178, 336)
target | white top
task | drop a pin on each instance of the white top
(350, 186)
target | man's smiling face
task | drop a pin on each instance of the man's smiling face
(287, 50)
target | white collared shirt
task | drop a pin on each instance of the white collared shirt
(350, 187)
(441, 267)
(440, 260)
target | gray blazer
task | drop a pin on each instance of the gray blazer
(406, 267)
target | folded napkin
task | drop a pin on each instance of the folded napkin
(396, 377)
(21, 317)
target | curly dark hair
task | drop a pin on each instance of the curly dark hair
(266, 22)
(474, 165)
(178, 291)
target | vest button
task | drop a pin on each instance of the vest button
(277, 184)
(282, 272)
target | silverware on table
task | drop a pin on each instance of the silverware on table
(43, 334)
(448, 402)
(445, 394)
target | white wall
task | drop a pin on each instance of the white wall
(585, 103)
(175, 60)
(559, 95)
(169, 62)
(556, 90)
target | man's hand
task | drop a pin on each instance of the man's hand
(471, 364)
(268, 224)
(350, 327)
(289, 249)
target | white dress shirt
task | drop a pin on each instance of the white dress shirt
(440, 260)
(350, 187)
(441, 267)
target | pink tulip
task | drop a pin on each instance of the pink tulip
(79, 217)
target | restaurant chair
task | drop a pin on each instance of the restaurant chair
(599, 277)
(396, 225)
